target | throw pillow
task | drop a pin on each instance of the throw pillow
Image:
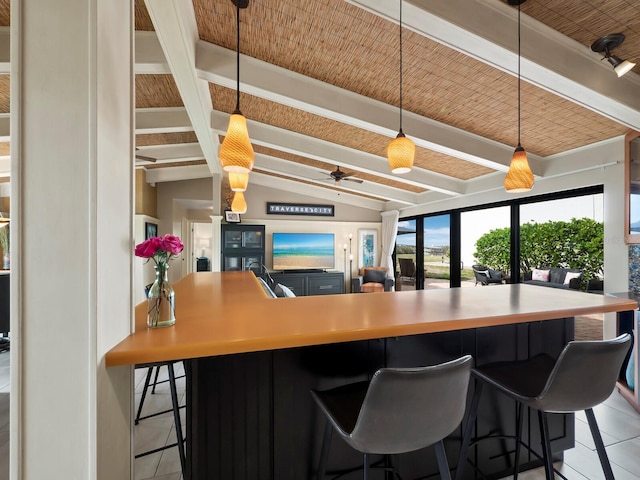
(570, 275)
(540, 275)
(277, 289)
(556, 274)
(286, 291)
(371, 275)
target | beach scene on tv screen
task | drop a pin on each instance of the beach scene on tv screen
(303, 250)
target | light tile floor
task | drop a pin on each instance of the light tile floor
(618, 421)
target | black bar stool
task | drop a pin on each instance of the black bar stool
(400, 410)
(175, 408)
(583, 376)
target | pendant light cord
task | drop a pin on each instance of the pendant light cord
(400, 66)
(518, 74)
(238, 57)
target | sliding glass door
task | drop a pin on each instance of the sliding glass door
(437, 251)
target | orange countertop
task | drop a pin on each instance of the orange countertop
(225, 313)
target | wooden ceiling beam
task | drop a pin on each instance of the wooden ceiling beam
(550, 60)
(175, 25)
(328, 152)
(319, 193)
(314, 174)
(217, 65)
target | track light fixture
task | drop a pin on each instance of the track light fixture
(605, 44)
(519, 177)
(401, 150)
(236, 153)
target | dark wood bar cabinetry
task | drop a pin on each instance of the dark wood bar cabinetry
(257, 420)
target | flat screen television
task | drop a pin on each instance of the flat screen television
(303, 251)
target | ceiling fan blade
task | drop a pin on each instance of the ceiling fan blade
(145, 158)
(350, 174)
(357, 180)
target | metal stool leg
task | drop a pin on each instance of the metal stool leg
(516, 460)
(443, 465)
(546, 445)
(597, 438)
(366, 466)
(155, 379)
(324, 452)
(144, 395)
(468, 429)
(176, 417)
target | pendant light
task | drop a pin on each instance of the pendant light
(238, 181)
(239, 204)
(519, 177)
(401, 150)
(236, 153)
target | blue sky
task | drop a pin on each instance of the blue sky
(436, 231)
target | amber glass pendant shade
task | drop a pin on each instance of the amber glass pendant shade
(519, 177)
(236, 153)
(401, 152)
(238, 181)
(239, 204)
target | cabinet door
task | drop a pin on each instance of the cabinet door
(242, 261)
(253, 239)
(325, 285)
(232, 239)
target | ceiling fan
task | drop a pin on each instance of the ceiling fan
(337, 175)
(144, 158)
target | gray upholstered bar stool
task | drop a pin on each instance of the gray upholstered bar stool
(583, 376)
(399, 411)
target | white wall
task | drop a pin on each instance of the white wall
(174, 217)
(171, 210)
(257, 197)
(143, 271)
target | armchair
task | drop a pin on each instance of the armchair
(372, 279)
(486, 276)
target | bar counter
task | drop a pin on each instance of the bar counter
(250, 361)
(226, 313)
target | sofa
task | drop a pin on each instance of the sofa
(554, 277)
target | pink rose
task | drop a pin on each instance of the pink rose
(171, 244)
(149, 247)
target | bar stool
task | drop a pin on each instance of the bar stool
(399, 411)
(583, 376)
(175, 408)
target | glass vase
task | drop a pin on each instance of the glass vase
(161, 307)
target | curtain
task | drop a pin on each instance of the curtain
(389, 232)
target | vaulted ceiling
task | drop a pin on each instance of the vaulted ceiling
(319, 86)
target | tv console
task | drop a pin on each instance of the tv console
(314, 282)
(304, 270)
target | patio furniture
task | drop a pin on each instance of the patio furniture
(407, 270)
(487, 276)
(555, 277)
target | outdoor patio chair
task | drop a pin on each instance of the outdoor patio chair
(407, 270)
(486, 276)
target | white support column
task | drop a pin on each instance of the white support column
(216, 243)
(72, 237)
